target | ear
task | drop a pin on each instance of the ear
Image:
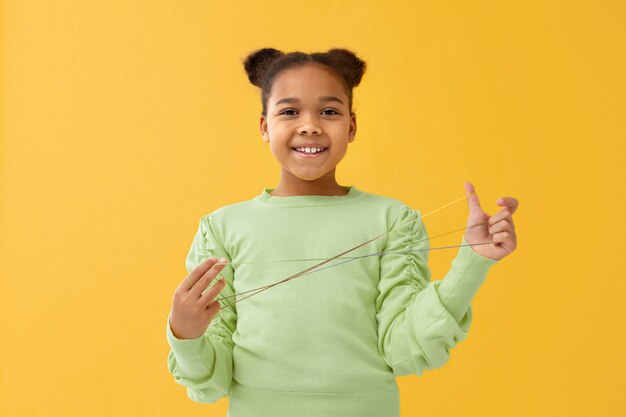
(352, 131)
(263, 128)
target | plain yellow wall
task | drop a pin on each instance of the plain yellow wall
(123, 122)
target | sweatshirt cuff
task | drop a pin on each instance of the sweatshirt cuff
(190, 352)
(467, 273)
(476, 262)
(471, 266)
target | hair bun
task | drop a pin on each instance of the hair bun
(257, 63)
(347, 62)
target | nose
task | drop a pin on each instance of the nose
(310, 127)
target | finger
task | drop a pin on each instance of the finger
(508, 202)
(472, 200)
(504, 237)
(212, 309)
(209, 296)
(202, 283)
(501, 226)
(197, 272)
(505, 240)
(503, 214)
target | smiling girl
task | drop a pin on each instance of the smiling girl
(332, 343)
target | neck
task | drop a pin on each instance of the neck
(291, 185)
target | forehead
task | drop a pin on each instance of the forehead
(308, 81)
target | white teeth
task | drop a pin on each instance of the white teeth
(310, 150)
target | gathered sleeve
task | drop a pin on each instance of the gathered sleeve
(419, 321)
(204, 365)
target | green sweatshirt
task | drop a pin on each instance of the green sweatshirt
(331, 342)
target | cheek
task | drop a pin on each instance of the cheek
(278, 148)
(342, 154)
(341, 149)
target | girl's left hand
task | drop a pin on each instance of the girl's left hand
(498, 228)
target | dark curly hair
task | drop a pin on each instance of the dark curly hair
(264, 64)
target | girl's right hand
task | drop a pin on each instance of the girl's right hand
(192, 311)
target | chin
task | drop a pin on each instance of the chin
(308, 175)
(312, 178)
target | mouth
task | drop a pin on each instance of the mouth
(310, 152)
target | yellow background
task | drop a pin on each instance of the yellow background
(123, 122)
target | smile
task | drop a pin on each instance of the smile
(309, 152)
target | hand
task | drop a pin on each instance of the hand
(498, 228)
(192, 311)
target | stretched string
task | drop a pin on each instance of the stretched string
(338, 256)
(363, 256)
(352, 258)
(261, 289)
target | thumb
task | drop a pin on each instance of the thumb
(472, 200)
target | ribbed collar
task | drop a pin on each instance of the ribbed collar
(308, 200)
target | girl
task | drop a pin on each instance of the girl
(330, 344)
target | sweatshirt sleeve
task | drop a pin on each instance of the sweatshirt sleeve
(419, 321)
(204, 365)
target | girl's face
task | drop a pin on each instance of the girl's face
(308, 108)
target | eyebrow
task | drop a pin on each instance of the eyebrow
(295, 100)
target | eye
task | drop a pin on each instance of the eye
(286, 112)
(334, 112)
